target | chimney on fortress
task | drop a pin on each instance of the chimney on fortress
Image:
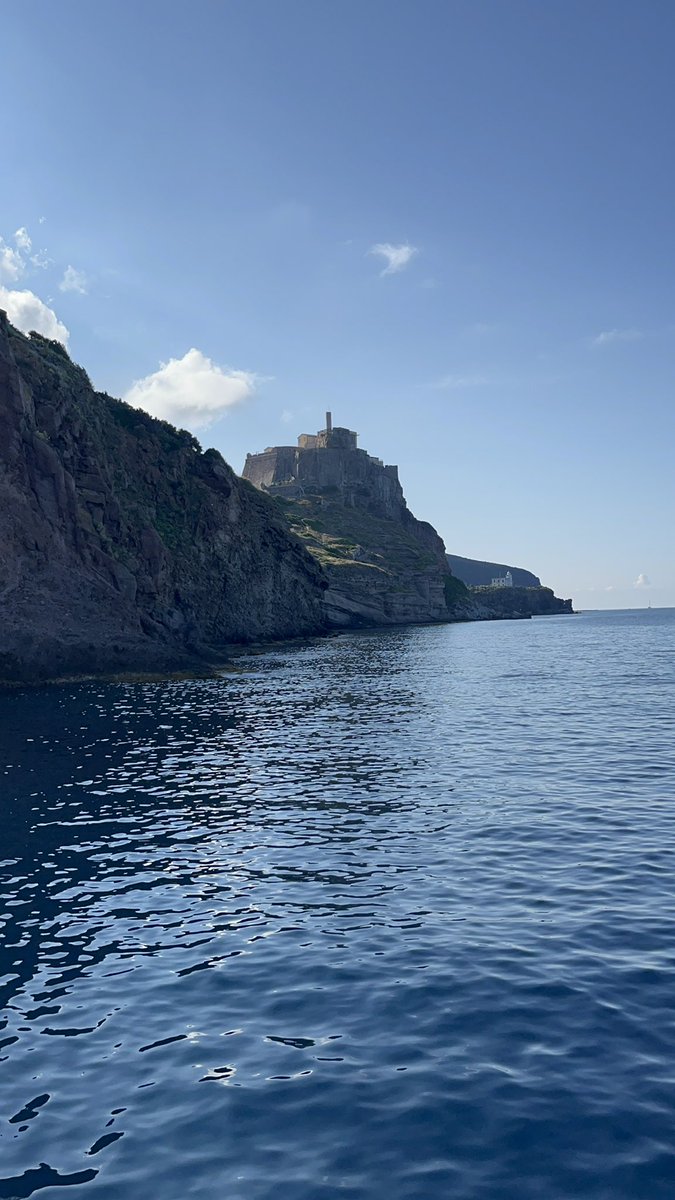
(329, 422)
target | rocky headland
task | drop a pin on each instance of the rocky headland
(474, 572)
(525, 597)
(122, 545)
(510, 603)
(384, 567)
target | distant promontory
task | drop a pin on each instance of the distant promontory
(384, 566)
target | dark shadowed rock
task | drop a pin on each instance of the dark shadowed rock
(122, 545)
(521, 601)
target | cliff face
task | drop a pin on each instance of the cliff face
(384, 567)
(521, 601)
(380, 571)
(122, 546)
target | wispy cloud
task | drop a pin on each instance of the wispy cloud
(22, 240)
(458, 382)
(642, 581)
(191, 391)
(13, 257)
(24, 309)
(28, 312)
(41, 259)
(395, 257)
(608, 336)
(74, 281)
(11, 265)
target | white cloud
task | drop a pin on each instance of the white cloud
(617, 335)
(396, 257)
(41, 259)
(22, 240)
(28, 312)
(457, 382)
(642, 581)
(191, 391)
(13, 258)
(11, 262)
(287, 416)
(74, 281)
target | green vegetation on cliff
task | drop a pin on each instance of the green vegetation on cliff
(381, 570)
(338, 535)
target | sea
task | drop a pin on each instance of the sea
(383, 916)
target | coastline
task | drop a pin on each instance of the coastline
(205, 668)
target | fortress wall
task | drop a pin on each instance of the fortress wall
(362, 480)
(276, 465)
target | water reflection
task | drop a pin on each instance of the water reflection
(374, 891)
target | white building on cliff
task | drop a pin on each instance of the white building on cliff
(503, 580)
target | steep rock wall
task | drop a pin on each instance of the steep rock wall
(122, 546)
(380, 570)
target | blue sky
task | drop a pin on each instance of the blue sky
(201, 188)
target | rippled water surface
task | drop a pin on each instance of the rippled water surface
(388, 916)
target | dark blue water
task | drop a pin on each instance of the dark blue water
(391, 915)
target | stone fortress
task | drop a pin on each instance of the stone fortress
(330, 463)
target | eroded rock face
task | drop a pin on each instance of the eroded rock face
(122, 545)
(384, 567)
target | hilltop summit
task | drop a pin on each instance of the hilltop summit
(384, 566)
(329, 463)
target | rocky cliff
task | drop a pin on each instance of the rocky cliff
(526, 598)
(122, 545)
(384, 567)
(513, 602)
(476, 573)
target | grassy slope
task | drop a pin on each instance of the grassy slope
(339, 536)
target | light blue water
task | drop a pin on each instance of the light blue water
(391, 915)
